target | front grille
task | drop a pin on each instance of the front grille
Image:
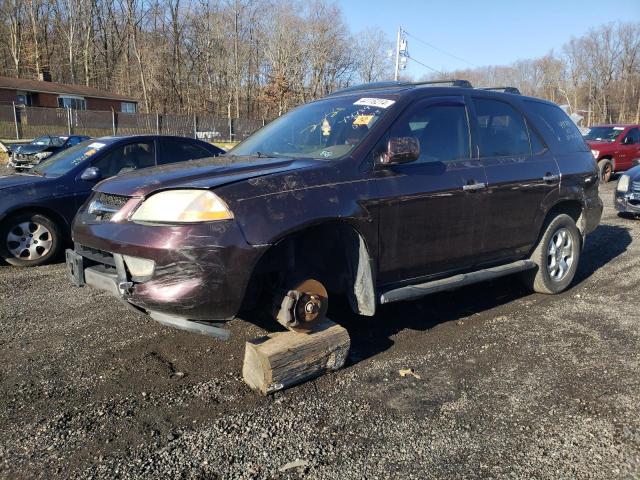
(112, 201)
(635, 186)
(104, 206)
(96, 255)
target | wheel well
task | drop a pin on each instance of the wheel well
(573, 208)
(52, 214)
(333, 253)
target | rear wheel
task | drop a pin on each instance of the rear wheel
(556, 255)
(29, 239)
(606, 170)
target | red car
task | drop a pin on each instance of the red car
(615, 147)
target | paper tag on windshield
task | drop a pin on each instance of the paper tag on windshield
(362, 120)
(375, 102)
(618, 128)
(96, 145)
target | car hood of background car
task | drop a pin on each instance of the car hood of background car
(24, 181)
(205, 174)
(595, 145)
(30, 149)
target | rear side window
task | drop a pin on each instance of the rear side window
(634, 135)
(502, 130)
(180, 151)
(556, 127)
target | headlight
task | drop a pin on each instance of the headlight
(595, 153)
(623, 184)
(42, 155)
(182, 206)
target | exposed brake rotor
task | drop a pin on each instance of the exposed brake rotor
(303, 306)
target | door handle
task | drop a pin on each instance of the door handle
(474, 186)
(550, 178)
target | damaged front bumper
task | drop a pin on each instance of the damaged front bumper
(628, 202)
(178, 275)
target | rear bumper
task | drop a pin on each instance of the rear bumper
(200, 271)
(592, 213)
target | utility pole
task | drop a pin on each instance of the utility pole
(397, 70)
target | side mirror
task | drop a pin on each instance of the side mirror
(91, 174)
(401, 150)
(627, 141)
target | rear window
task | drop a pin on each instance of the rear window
(556, 127)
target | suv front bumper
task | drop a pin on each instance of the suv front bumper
(628, 202)
(200, 272)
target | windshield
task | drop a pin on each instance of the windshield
(603, 134)
(327, 130)
(66, 160)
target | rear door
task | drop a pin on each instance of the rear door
(176, 150)
(629, 149)
(521, 174)
(430, 210)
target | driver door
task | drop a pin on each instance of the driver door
(430, 210)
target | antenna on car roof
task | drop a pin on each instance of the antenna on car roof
(513, 90)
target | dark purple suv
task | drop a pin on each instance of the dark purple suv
(383, 192)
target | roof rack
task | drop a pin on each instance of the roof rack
(513, 90)
(395, 84)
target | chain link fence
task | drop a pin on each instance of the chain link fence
(23, 122)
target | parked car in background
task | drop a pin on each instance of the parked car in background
(37, 206)
(382, 192)
(627, 194)
(615, 147)
(26, 156)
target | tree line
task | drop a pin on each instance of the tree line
(597, 74)
(259, 58)
(237, 58)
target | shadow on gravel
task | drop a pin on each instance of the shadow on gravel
(370, 336)
(603, 245)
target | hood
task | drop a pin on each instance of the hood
(11, 181)
(634, 172)
(205, 174)
(595, 145)
(30, 149)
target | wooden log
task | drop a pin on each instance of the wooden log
(282, 359)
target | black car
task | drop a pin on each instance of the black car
(627, 196)
(28, 155)
(382, 192)
(37, 207)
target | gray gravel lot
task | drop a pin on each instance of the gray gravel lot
(512, 384)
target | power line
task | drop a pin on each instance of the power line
(440, 49)
(424, 65)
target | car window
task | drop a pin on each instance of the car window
(73, 141)
(442, 132)
(180, 151)
(126, 158)
(502, 130)
(556, 127)
(634, 134)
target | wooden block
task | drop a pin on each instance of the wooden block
(282, 359)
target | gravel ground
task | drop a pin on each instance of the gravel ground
(511, 384)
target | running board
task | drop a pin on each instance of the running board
(415, 291)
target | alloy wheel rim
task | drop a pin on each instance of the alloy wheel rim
(29, 241)
(560, 254)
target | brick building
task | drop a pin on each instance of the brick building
(39, 93)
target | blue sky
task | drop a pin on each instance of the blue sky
(484, 32)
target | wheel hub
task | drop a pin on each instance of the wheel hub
(303, 307)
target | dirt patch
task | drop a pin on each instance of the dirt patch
(512, 384)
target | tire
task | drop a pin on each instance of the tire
(550, 276)
(605, 167)
(42, 240)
